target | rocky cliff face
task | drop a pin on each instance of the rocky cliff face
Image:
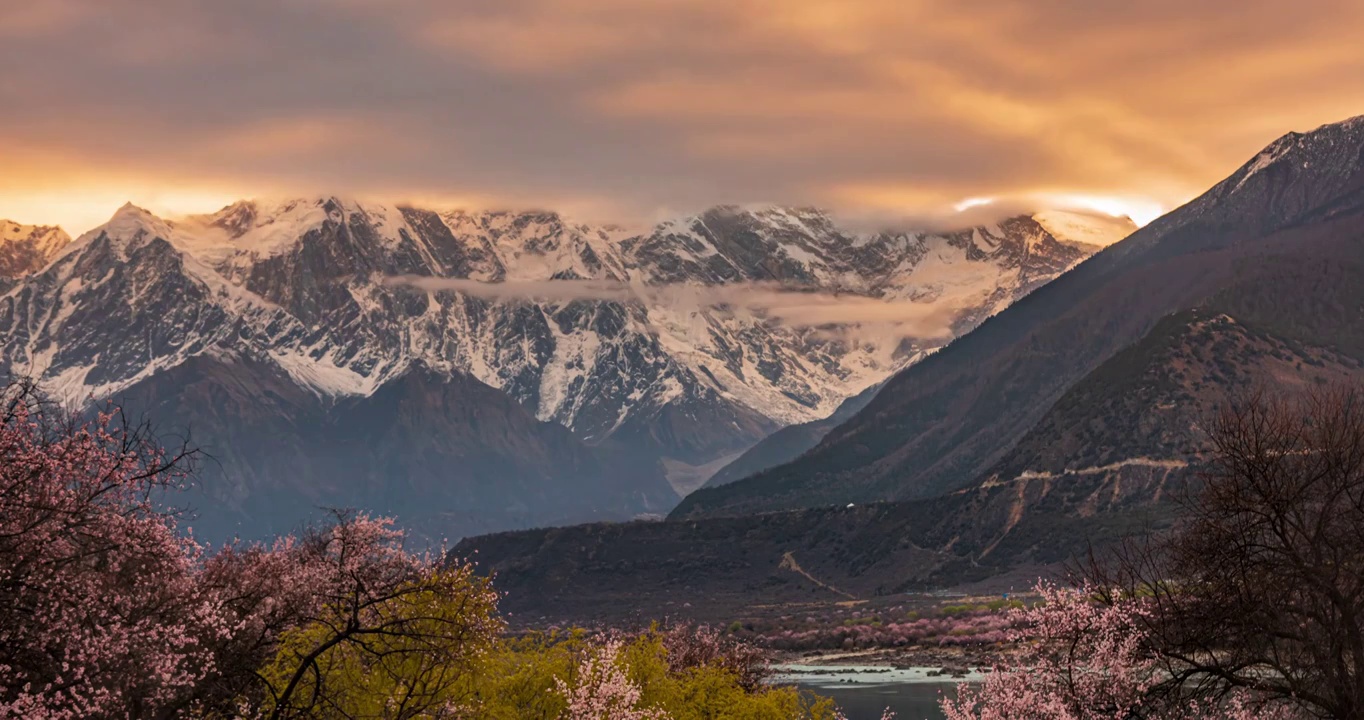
(683, 343)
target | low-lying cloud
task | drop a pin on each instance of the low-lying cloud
(787, 305)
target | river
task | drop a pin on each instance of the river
(864, 691)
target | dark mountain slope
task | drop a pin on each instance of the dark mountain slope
(940, 424)
(1136, 422)
(446, 453)
(788, 443)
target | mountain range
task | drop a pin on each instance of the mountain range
(1069, 419)
(476, 371)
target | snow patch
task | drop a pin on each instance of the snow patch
(1267, 157)
(323, 376)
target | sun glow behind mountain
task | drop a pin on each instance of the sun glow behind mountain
(80, 210)
(1140, 210)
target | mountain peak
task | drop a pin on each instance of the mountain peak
(27, 248)
(130, 213)
(130, 220)
(1297, 177)
(237, 218)
(11, 231)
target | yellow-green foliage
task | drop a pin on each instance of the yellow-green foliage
(516, 682)
(416, 651)
(514, 678)
(712, 693)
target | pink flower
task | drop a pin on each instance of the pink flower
(602, 691)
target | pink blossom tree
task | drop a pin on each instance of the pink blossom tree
(692, 646)
(601, 690)
(99, 612)
(1086, 660)
(106, 610)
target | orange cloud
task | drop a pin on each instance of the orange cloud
(874, 106)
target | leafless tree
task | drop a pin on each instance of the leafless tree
(1261, 587)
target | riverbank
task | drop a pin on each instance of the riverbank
(934, 662)
(864, 692)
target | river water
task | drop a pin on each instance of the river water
(864, 691)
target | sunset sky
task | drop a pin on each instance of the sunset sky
(611, 109)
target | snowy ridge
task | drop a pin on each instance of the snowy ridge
(308, 285)
(1266, 158)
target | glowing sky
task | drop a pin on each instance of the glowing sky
(609, 108)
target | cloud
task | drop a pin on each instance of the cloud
(786, 305)
(879, 214)
(881, 107)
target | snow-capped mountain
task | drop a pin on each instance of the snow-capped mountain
(26, 248)
(687, 342)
